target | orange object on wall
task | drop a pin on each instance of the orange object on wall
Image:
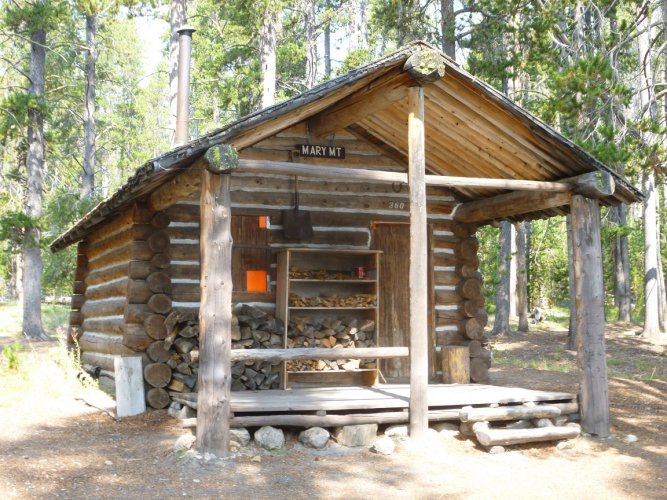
(256, 281)
(262, 221)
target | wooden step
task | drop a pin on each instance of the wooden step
(488, 436)
(508, 413)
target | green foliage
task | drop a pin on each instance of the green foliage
(11, 354)
(14, 226)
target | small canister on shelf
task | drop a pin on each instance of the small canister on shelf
(360, 272)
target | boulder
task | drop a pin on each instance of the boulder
(184, 443)
(315, 437)
(270, 438)
(396, 431)
(240, 436)
(356, 435)
(383, 446)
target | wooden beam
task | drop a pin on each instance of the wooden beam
(508, 205)
(303, 353)
(323, 172)
(508, 184)
(215, 316)
(418, 273)
(371, 99)
(595, 184)
(589, 298)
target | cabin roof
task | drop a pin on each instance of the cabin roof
(471, 130)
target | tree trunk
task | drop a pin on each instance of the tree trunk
(267, 52)
(501, 324)
(448, 27)
(327, 49)
(88, 177)
(178, 17)
(311, 43)
(572, 329)
(622, 292)
(32, 255)
(513, 274)
(652, 281)
(521, 275)
(651, 287)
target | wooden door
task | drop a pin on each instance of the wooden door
(393, 294)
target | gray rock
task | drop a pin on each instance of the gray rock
(446, 428)
(356, 435)
(174, 409)
(315, 437)
(519, 424)
(270, 438)
(184, 443)
(186, 412)
(240, 435)
(561, 420)
(564, 445)
(495, 450)
(466, 429)
(383, 446)
(396, 431)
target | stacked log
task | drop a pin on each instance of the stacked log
(78, 296)
(149, 282)
(459, 300)
(174, 354)
(334, 333)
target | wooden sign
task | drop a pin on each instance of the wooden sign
(321, 151)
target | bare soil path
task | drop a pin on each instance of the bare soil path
(55, 445)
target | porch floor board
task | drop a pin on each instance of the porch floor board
(394, 397)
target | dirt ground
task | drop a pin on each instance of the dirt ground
(56, 445)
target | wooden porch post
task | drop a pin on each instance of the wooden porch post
(418, 278)
(589, 316)
(215, 315)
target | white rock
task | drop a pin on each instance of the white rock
(256, 458)
(564, 445)
(240, 435)
(495, 450)
(356, 435)
(383, 446)
(315, 437)
(630, 438)
(184, 442)
(396, 431)
(446, 428)
(270, 438)
(108, 462)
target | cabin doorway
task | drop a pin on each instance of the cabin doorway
(394, 328)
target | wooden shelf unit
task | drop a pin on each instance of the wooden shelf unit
(337, 262)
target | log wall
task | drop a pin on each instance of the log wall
(145, 264)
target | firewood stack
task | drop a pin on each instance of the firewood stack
(175, 358)
(333, 300)
(334, 333)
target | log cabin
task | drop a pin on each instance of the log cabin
(328, 242)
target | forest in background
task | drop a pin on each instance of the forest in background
(78, 116)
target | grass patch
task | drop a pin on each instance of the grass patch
(555, 363)
(37, 370)
(11, 318)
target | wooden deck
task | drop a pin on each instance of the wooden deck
(382, 404)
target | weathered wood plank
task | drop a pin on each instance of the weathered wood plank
(590, 323)
(306, 353)
(418, 276)
(215, 316)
